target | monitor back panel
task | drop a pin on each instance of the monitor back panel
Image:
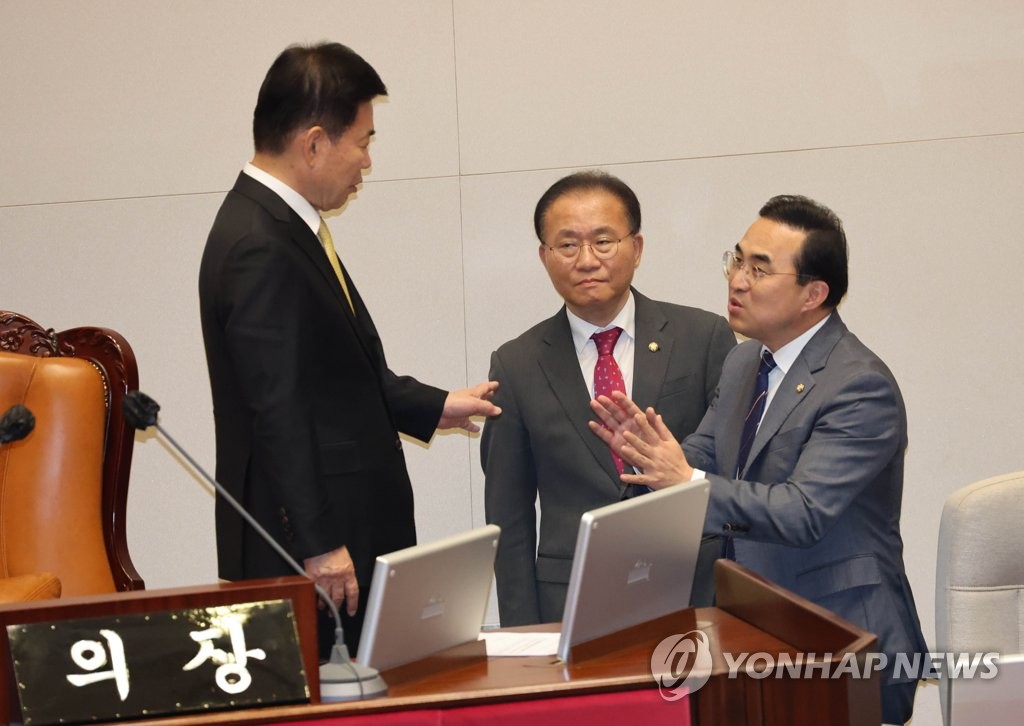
(635, 561)
(428, 598)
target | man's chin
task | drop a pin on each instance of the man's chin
(338, 204)
(738, 325)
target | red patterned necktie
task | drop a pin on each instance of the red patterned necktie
(607, 376)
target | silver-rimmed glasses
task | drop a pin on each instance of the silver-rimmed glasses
(733, 263)
(604, 247)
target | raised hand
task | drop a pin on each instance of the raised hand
(642, 439)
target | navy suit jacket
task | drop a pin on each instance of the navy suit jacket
(541, 443)
(307, 412)
(817, 508)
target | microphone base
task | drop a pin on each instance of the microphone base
(343, 680)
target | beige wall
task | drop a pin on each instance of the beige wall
(123, 123)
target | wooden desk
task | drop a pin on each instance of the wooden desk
(752, 616)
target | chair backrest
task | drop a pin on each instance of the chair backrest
(64, 488)
(980, 571)
(24, 588)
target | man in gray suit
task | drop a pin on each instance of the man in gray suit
(667, 355)
(812, 499)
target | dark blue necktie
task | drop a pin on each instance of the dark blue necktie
(756, 411)
(750, 424)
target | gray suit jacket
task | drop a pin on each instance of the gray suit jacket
(817, 508)
(541, 443)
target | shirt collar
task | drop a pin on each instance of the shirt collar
(787, 354)
(292, 198)
(582, 330)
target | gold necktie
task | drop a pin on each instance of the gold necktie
(325, 239)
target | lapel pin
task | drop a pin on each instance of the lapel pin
(653, 347)
(799, 387)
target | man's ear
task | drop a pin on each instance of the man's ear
(312, 142)
(817, 294)
(638, 249)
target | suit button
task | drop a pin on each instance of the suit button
(398, 444)
(286, 525)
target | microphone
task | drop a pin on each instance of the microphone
(341, 679)
(16, 424)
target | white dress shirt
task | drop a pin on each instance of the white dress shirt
(290, 197)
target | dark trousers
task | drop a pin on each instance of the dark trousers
(898, 702)
(353, 626)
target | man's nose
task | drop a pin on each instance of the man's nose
(586, 257)
(739, 281)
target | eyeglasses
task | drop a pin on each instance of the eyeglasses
(603, 248)
(733, 263)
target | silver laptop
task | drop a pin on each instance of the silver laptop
(635, 561)
(428, 598)
(996, 701)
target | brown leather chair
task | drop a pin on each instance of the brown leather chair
(22, 588)
(64, 487)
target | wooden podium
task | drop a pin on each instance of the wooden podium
(752, 616)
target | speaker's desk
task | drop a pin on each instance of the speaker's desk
(753, 616)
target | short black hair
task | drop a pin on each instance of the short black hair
(312, 85)
(824, 255)
(587, 180)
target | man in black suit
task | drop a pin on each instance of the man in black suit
(588, 224)
(307, 412)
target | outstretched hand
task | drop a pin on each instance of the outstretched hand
(642, 439)
(466, 402)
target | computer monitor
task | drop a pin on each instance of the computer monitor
(997, 701)
(634, 562)
(428, 598)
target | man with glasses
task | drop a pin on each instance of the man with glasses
(607, 336)
(804, 442)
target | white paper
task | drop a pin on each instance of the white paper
(520, 644)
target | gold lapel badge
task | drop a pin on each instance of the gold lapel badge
(799, 387)
(653, 347)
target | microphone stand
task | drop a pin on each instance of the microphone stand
(341, 679)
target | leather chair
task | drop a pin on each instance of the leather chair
(22, 588)
(979, 584)
(64, 487)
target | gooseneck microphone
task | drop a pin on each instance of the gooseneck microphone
(16, 424)
(341, 679)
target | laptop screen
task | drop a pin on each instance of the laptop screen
(635, 561)
(428, 598)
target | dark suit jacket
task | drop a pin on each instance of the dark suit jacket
(541, 443)
(817, 509)
(307, 412)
